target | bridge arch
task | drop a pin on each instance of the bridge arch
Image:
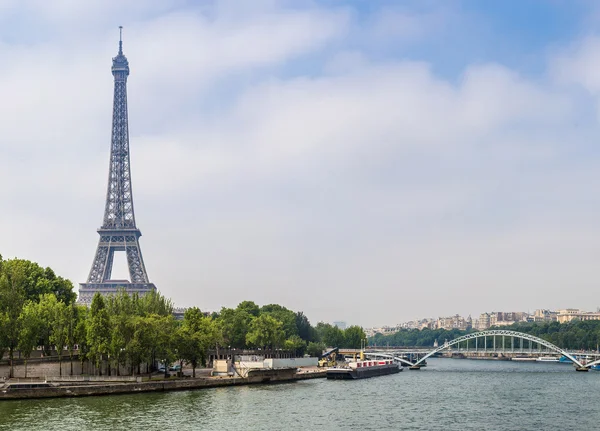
(505, 333)
(388, 356)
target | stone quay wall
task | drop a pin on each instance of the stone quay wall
(268, 376)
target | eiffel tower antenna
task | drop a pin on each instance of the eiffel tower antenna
(120, 40)
(118, 231)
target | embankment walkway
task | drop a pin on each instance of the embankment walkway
(10, 391)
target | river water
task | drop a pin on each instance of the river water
(450, 394)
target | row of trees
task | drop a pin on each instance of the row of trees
(574, 335)
(124, 331)
(416, 338)
(275, 326)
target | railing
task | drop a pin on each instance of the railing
(20, 380)
(92, 378)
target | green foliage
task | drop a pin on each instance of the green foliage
(12, 299)
(305, 330)
(574, 335)
(98, 331)
(60, 327)
(265, 331)
(38, 281)
(46, 308)
(249, 307)
(416, 338)
(37, 309)
(295, 344)
(234, 326)
(331, 335)
(283, 315)
(194, 337)
(74, 314)
(140, 348)
(30, 325)
(163, 329)
(354, 337)
(315, 349)
(153, 303)
(80, 333)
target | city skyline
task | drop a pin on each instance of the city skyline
(486, 320)
(356, 162)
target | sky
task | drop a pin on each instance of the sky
(366, 161)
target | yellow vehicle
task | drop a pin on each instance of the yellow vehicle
(328, 359)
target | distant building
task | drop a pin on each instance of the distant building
(340, 324)
(454, 322)
(483, 322)
(178, 313)
(499, 318)
(570, 314)
(542, 315)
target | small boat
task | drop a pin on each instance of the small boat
(564, 360)
(523, 359)
(363, 369)
(547, 359)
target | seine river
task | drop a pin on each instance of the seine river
(451, 394)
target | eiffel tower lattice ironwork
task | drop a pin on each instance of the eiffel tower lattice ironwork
(119, 231)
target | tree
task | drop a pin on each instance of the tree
(305, 330)
(3, 325)
(20, 281)
(153, 303)
(234, 326)
(332, 336)
(296, 345)
(163, 328)
(29, 334)
(353, 337)
(140, 348)
(249, 307)
(121, 309)
(39, 281)
(12, 299)
(117, 344)
(98, 331)
(47, 304)
(265, 331)
(315, 349)
(285, 316)
(81, 335)
(195, 336)
(73, 314)
(60, 329)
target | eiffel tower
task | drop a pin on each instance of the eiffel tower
(118, 231)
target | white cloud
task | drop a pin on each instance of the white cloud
(272, 162)
(578, 63)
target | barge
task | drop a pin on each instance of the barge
(363, 369)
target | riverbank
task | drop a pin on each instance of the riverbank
(83, 389)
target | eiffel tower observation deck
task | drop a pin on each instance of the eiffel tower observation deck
(119, 231)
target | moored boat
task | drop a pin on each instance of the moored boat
(547, 359)
(363, 369)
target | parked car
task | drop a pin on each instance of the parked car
(175, 367)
